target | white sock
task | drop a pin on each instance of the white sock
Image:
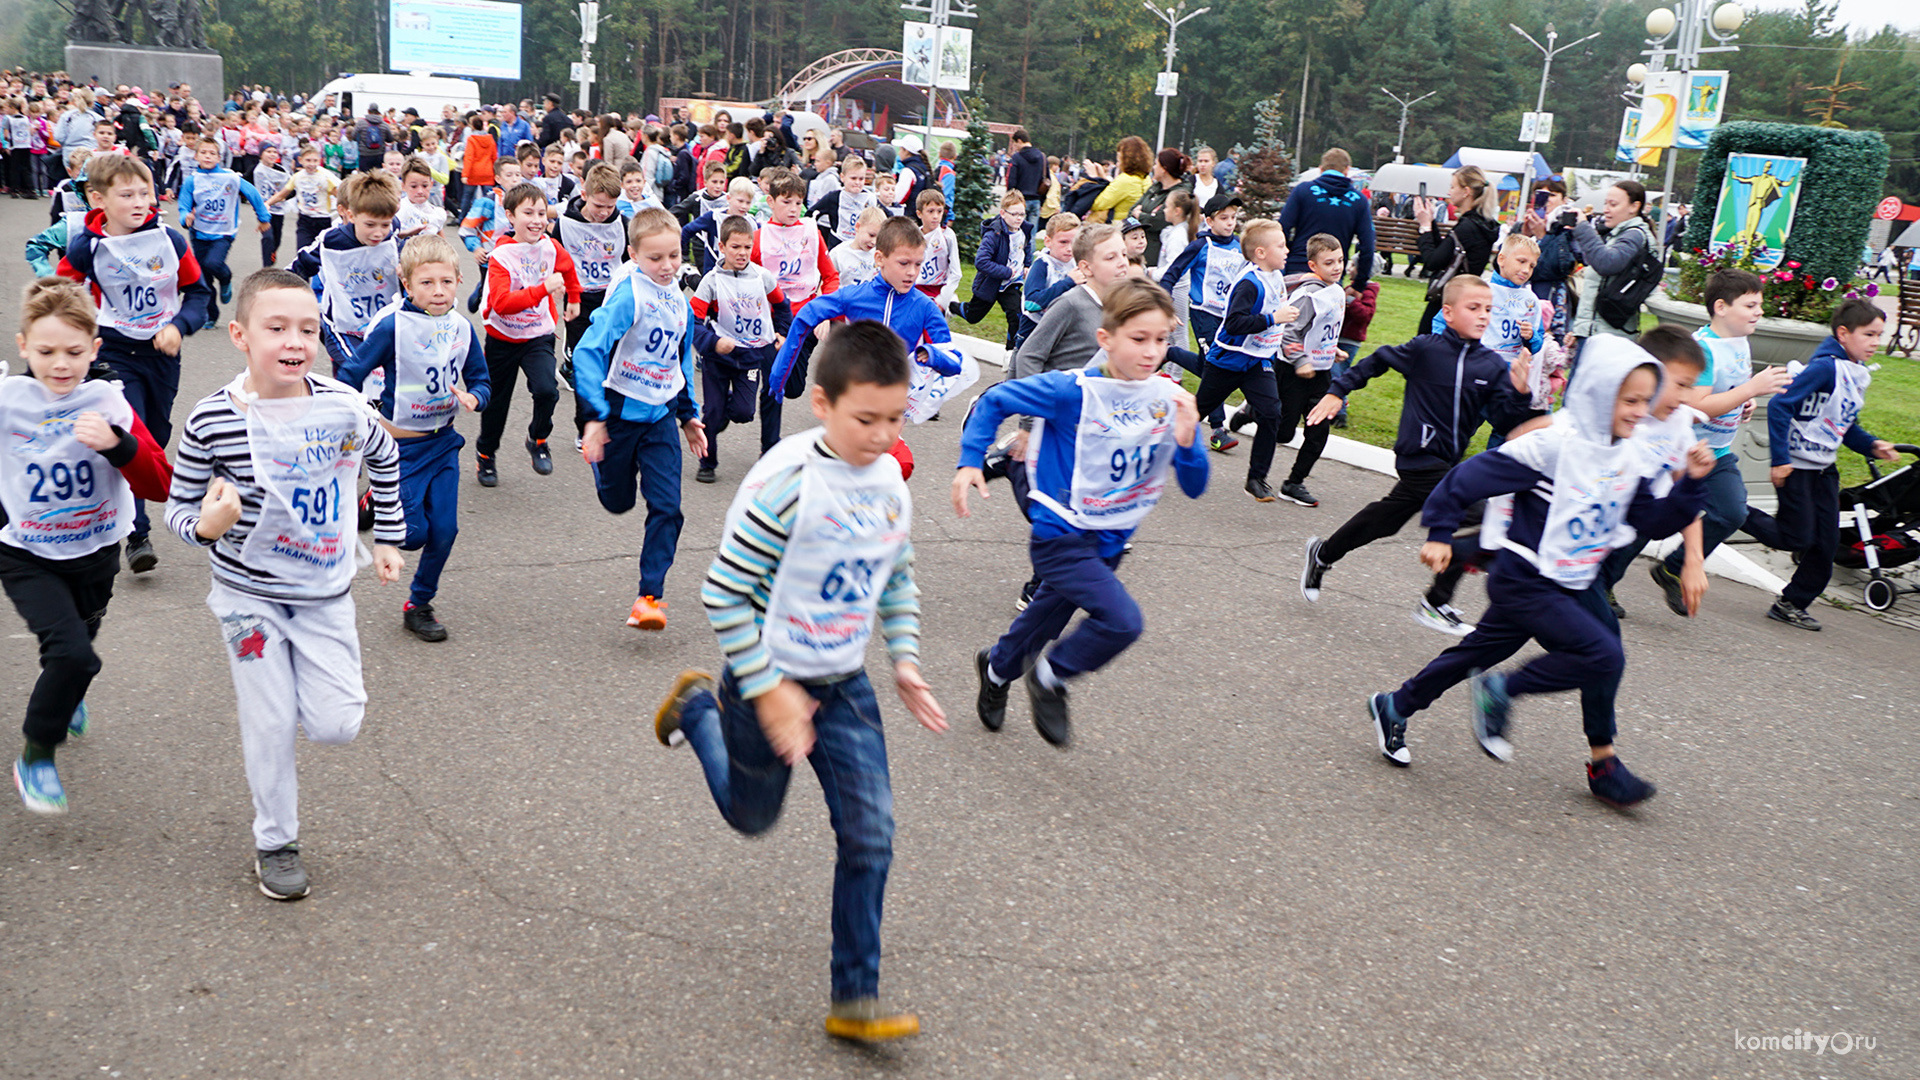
(1043, 671)
(995, 677)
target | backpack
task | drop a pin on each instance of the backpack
(662, 169)
(371, 139)
(1621, 294)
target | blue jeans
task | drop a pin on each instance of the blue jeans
(642, 461)
(1073, 577)
(430, 497)
(1726, 509)
(749, 784)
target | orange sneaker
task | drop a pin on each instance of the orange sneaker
(648, 614)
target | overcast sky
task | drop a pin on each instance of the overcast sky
(1868, 15)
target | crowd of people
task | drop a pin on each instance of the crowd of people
(678, 281)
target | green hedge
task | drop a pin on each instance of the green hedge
(1846, 171)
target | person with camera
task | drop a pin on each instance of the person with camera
(1550, 224)
(1614, 252)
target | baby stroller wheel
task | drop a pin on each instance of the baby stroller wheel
(1879, 594)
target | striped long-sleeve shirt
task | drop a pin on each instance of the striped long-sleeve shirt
(214, 443)
(740, 581)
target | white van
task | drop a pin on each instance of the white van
(427, 93)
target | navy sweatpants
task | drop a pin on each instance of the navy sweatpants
(1073, 577)
(1807, 522)
(728, 386)
(430, 498)
(151, 380)
(212, 257)
(1582, 648)
(642, 461)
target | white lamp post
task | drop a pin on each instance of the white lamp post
(1172, 17)
(1405, 107)
(1548, 52)
(1680, 35)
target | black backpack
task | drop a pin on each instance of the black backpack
(372, 139)
(1622, 294)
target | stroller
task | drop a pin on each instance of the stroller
(1886, 511)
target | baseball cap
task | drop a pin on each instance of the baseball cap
(1220, 202)
(909, 142)
(1133, 224)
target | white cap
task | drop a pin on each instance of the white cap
(909, 142)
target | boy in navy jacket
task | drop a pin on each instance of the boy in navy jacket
(1806, 426)
(1000, 266)
(1450, 378)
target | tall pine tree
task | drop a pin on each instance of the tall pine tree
(1266, 173)
(973, 186)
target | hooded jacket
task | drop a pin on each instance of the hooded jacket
(1804, 399)
(1329, 204)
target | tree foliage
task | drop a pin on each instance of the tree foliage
(973, 180)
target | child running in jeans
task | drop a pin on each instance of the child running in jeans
(815, 548)
(74, 456)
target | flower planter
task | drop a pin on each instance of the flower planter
(1776, 341)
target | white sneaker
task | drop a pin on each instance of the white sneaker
(1445, 618)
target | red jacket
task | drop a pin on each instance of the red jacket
(1360, 313)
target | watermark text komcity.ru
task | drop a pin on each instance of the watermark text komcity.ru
(1838, 1042)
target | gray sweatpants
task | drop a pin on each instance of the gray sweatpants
(293, 664)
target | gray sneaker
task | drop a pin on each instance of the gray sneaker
(1782, 611)
(280, 873)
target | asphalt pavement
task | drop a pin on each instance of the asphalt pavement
(1220, 879)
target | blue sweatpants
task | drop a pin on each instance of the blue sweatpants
(212, 257)
(1074, 576)
(430, 498)
(643, 462)
(749, 784)
(1582, 649)
(150, 381)
(728, 386)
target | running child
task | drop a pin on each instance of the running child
(940, 273)
(1726, 393)
(1052, 275)
(74, 456)
(999, 267)
(839, 213)
(269, 176)
(418, 215)
(1450, 378)
(312, 191)
(793, 595)
(486, 223)
(595, 236)
(530, 277)
(150, 293)
(264, 480)
(1807, 424)
(790, 246)
(1211, 264)
(426, 352)
(1309, 346)
(633, 189)
(1084, 507)
(210, 199)
(1581, 485)
(635, 370)
(354, 266)
(706, 227)
(1256, 316)
(853, 260)
(741, 318)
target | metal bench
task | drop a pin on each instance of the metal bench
(1401, 236)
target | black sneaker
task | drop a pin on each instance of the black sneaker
(1669, 583)
(1782, 611)
(991, 703)
(1238, 420)
(280, 873)
(542, 457)
(1489, 714)
(420, 623)
(956, 309)
(1258, 488)
(1340, 422)
(1295, 491)
(1612, 784)
(1389, 732)
(140, 556)
(1026, 594)
(1614, 606)
(1312, 572)
(1050, 717)
(704, 474)
(565, 373)
(483, 467)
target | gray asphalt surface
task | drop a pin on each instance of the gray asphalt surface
(1221, 878)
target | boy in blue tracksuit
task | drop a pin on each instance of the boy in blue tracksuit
(1582, 487)
(210, 215)
(1807, 424)
(634, 372)
(424, 348)
(1242, 356)
(1051, 275)
(889, 298)
(1103, 440)
(1211, 264)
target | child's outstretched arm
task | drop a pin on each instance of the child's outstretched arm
(1474, 480)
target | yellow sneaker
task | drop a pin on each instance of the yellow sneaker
(666, 720)
(864, 1020)
(648, 614)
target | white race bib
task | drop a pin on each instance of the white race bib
(851, 207)
(595, 249)
(357, 282)
(527, 265)
(306, 455)
(139, 277)
(429, 354)
(927, 389)
(741, 310)
(1587, 519)
(216, 203)
(792, 252)
(63, 499)
(1224, 264)
(1818, 439)
(645, 365)
(1122, 449)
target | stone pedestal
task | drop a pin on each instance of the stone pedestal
(150, 68)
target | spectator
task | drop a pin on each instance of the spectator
(1169, 176)
(514, 129)
(1027, 171)
(1551, 226)
(1475, 208)
(1205, 187)
(552, 122)
(1330, 204)
(1129, 181)
(1626, 235)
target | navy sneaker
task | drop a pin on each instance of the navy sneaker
(1490, 705)
(991, 702)
(486, 473)
(1389, 730)
(1612, 784)
(1221, 441)
(226, 291)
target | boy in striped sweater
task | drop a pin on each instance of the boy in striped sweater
(816, 545)
(282, 545)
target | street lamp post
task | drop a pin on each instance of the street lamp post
(1547, 52)
(938, 13)
(1679, 36)
(1172, 17)
(1405, 107)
